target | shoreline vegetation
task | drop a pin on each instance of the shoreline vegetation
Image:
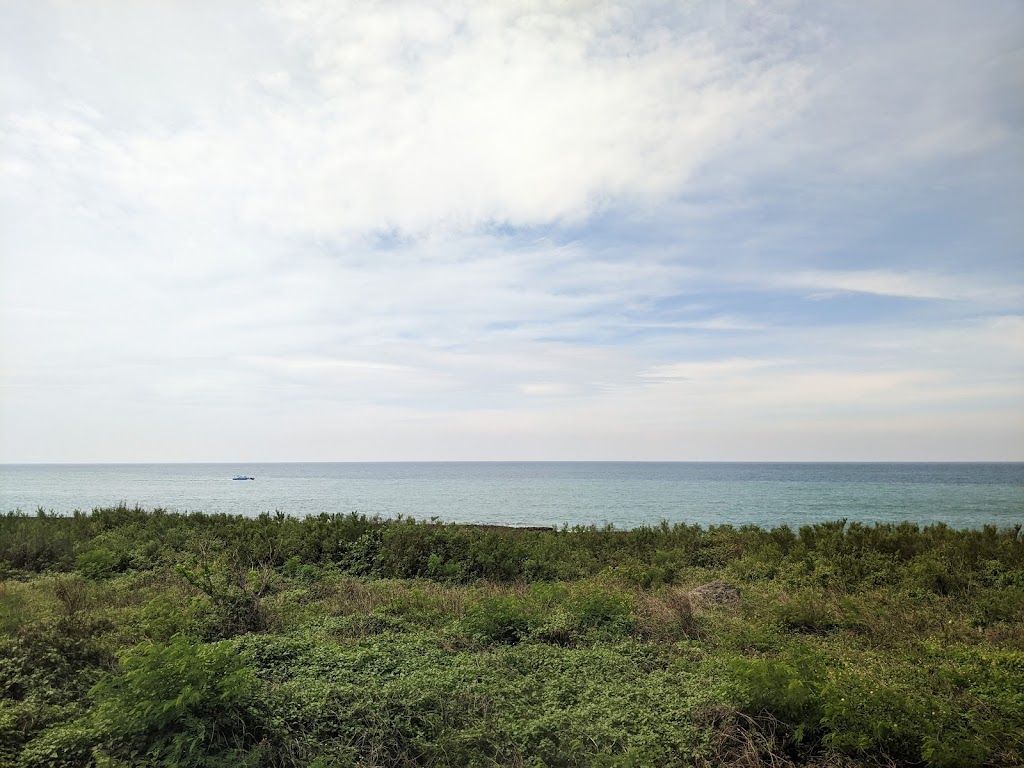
(133, 637)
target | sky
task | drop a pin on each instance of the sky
(517, 230)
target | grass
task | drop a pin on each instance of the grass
(139, 638)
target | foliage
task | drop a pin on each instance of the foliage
(101, 563)
(955, 709)
(181, 703)
(342, 640)
(235, 591)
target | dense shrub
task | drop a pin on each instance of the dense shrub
(807, 612)
(101, 563)
(359, 641)
(503, 619)
(46, 670)
(959, 710)
(182, 703)
(937, 559)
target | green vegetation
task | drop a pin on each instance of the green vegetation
(141, 638)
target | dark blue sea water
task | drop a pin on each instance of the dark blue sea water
(624, 494)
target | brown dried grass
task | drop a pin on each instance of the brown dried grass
(666, 615)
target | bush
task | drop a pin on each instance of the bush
(806, 612)
(165, 616)
(503, 619)
(45, 674)
(557, 647)
(995, 606)
(932, 574)
(101, 563)
(181, 703)
(235, 591)
(948, 709)
(595, 606)
(788, 688)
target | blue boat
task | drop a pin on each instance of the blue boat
(242, 477)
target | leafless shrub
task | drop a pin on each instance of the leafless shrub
(73, 595)
(682, 606)
(666, 615)
(740, 741)
(348, 597)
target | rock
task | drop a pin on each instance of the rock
(715, 593)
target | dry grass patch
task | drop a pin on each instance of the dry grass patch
(665, 615)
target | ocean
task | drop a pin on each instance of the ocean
(623, 494)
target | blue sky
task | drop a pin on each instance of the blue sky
(302, 230)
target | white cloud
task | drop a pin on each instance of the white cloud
(463, 230)
(420, 118)
(704, 371)
(909, 284)
(899, 89)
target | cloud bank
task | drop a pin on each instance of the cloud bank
(352, 231)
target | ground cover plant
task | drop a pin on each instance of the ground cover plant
(133, 637)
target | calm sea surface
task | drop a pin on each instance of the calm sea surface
(543, 493)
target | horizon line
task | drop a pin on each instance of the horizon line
(512, 461)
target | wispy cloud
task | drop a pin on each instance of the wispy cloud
(547, 230)
(909, 284)
(418, 118)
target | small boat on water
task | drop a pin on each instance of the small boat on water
(242, 477)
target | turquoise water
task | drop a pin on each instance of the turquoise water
(624, 494)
